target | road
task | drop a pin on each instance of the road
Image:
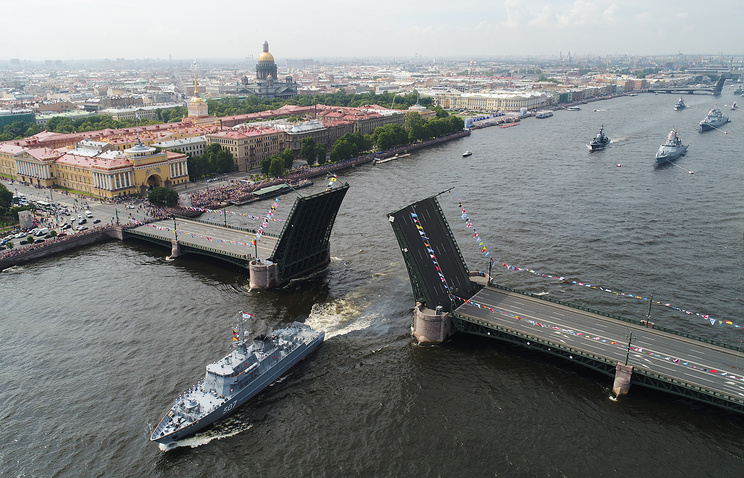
(211, 235)
(695, 362)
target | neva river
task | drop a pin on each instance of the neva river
(95, 345)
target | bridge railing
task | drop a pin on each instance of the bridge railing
(616, 317)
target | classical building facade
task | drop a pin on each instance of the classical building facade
(250, 145)
(267, 85)
(111, 173)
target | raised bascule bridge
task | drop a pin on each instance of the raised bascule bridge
(450, 299)
(302, 247)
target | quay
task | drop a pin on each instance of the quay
(450, 299)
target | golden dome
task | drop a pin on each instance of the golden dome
(266, 56)
(196, 99)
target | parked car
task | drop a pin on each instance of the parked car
(62, 234)
(96, 221)
(38, 241)
(131, 206)
(81, 228)
(65, 226)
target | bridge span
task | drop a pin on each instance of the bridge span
(302, 246)
(631, 351)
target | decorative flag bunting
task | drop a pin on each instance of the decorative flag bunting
(220, 212)
(265, 222)
(196, 236)
(682, 362)
(469, 225)
(334, 178)
(482, 247)
(432, 255)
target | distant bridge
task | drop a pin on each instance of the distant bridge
(302, 246)
(714, 90)
(451, 299)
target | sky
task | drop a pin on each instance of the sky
(187, 29)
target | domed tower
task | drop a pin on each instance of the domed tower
(265, 67)
(197, 107)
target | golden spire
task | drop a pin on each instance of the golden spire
(196, 85)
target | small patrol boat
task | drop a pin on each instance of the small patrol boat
(467, 153)
(250, 367)
(600, 141)
(680, 105)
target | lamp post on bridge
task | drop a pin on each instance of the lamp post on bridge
(627, 353)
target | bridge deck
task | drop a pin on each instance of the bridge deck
(686, 363)
(220, 239)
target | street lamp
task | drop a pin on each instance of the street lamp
(627, 354)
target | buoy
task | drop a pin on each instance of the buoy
(619, 165)
(691, 172)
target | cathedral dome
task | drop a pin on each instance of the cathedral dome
(266, 56)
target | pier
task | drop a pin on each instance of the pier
(450, 299)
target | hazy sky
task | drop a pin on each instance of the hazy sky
(186, 29)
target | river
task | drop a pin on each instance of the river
(96, 344)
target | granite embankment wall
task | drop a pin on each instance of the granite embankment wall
(22, 255)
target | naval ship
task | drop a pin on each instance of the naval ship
(251, 366)
(713, 120)
(600, 141)
(671, 149)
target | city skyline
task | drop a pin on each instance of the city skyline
(84, 29)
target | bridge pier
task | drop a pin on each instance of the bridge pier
(175, 249)
(431, 326)
(264, 274)
(623, 373)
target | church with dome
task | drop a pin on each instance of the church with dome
(267, 85)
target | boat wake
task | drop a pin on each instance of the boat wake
(217, 433)
(340, 317)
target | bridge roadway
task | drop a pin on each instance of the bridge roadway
(205, 236)
(675, 363)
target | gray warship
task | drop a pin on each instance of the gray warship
(671, 149)
(251, 366)
(713, 120)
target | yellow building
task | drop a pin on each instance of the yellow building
(109, 174)
(29, 165)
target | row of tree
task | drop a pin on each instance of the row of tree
(215, 160)
(227, 106)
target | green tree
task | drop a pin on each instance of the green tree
(10, 245)
(288, 158)
(265, 165)
(276, 168)
(163, 197)
(6, 199)
(320, 153)
(309, 150)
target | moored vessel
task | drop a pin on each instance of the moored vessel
(671, 149)
(713, 120)
(573, 108)
(600, 141)
(544, 114)
(250, 367)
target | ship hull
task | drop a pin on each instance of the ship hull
(671, 156)
(261, 383)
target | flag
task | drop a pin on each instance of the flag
(235, 338)
(247, 315)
